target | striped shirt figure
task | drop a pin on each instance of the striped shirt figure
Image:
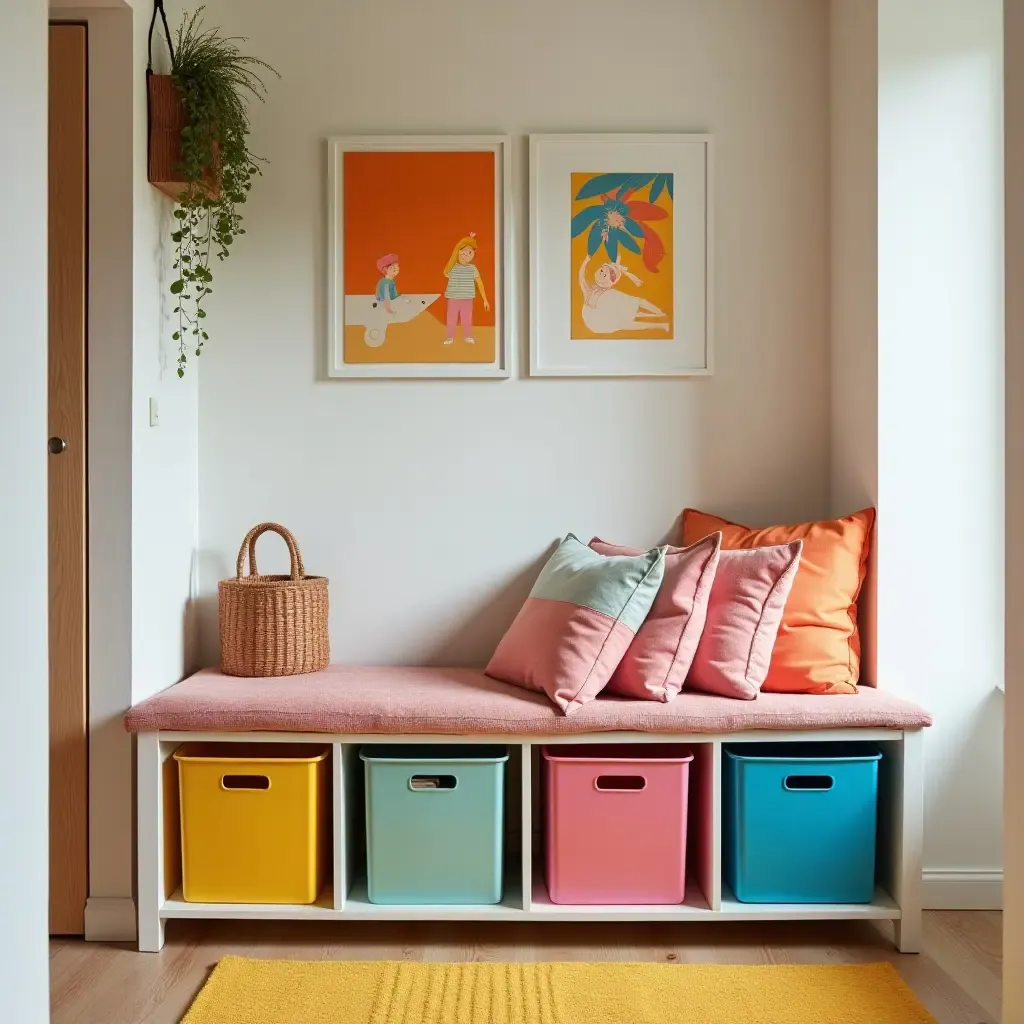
(461, 282)
(464, 281)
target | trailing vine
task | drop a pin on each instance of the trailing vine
(216, 81)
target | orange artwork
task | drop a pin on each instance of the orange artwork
(419, 257)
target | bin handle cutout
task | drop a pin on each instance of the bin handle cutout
(250, 782)
(620, 783)
(809, 783)
(432, 783)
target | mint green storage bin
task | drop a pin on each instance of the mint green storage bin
(434, 823)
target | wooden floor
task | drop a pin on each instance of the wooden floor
(957, 977)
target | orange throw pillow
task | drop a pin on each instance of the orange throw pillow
(818, 646)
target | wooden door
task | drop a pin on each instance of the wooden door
(67, 480)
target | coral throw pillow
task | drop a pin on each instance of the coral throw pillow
(577, 623)
(658, 659)
(748, 597)
(818, 647)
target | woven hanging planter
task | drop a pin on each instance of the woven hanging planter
(272, 625)
(166, 120)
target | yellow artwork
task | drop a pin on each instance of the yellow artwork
(621, 256)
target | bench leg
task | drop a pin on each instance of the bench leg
(909, 842)
(908, 932)
(150, 816)
(151, 932)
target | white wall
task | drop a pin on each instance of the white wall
(24, 688)
(165, 480)
(854, 298)
(430, 505)
(1013, 856)
(112, 75)
(940, 416)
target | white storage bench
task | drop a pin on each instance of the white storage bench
(346, 707)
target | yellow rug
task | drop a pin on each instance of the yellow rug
(330, 992)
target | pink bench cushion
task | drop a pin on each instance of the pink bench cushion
(452, 701)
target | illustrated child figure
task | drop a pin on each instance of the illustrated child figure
(387, 290)
(464, 281)
(607, 310)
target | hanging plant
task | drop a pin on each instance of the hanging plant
(213, 81)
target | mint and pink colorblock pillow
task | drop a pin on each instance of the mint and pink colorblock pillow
(657, 661)
(747, 600)
(577, 623)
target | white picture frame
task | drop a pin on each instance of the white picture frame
(502, 365)
(572, 332)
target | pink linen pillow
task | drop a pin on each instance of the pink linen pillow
(577, 623)
(657, 661)
(747, 600)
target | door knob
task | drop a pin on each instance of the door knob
(56, 445)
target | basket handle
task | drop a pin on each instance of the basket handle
(298, 572)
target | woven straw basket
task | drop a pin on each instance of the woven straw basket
(272, 625)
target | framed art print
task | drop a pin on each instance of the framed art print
(620, 255)
(419, 256)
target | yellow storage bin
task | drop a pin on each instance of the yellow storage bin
(255, 822)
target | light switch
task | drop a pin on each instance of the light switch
(154, 413)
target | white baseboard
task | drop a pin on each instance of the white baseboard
(973, 889)
(110, 919)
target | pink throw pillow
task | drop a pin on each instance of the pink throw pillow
(747, 600)
(656, 663)
(577, 623)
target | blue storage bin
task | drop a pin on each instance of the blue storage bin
(434, 823)
(800, 821)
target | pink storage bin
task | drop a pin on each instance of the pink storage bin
(616, 823)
